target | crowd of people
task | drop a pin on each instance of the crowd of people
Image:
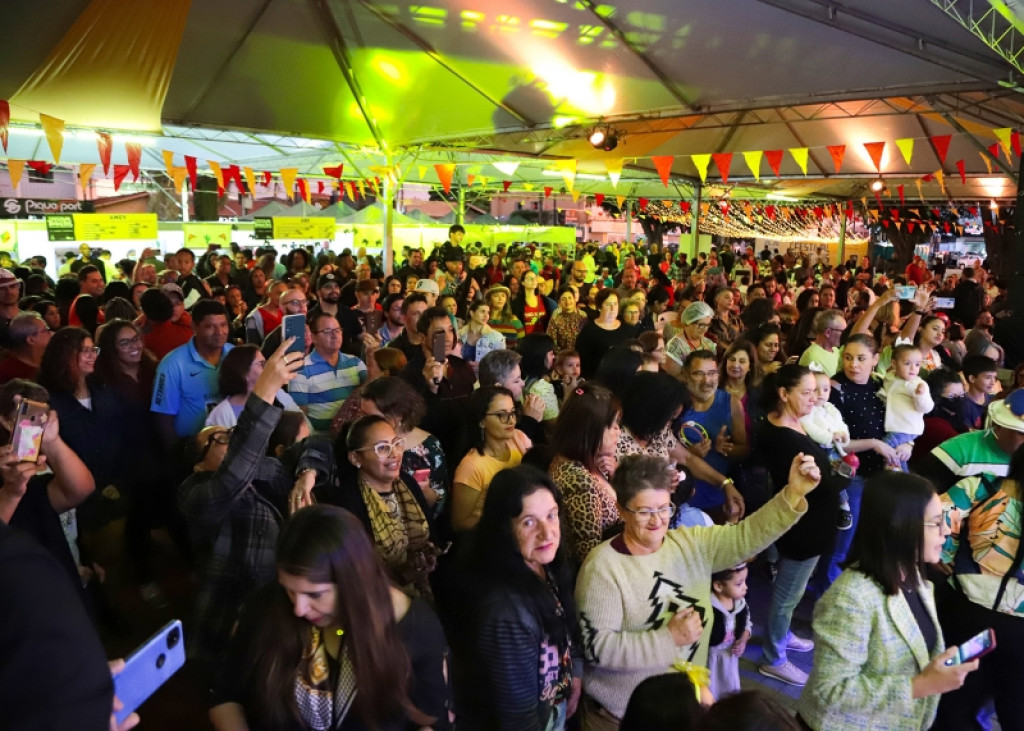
(520, 490)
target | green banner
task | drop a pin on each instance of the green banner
(60, 228)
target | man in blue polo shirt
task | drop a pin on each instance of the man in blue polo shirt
(186, 379)
(328, 376)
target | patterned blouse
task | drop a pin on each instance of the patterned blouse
(679, 347)
(512, 331)
(429, 455)
(661, 445)
(564, 327)
(589, 503)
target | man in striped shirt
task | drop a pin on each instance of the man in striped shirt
(328, 376)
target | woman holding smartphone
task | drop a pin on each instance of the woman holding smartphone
(880, 658)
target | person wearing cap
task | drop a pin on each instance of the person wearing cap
(502, 318)
(328, 291)
(695, 319)
(10, 293)
(429, 289)
(455, 269)
(367, 311)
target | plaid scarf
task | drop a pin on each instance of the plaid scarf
(397, 524)
(322, 707)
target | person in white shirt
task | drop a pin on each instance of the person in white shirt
(907, 397)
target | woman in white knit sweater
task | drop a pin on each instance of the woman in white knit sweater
(644, 597)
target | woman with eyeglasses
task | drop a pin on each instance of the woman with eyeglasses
(238, 373)
(644, 597)
(880, 659)
(695, 320)
(495, 444)
(388, 502)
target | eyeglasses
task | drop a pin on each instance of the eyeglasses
(93, 351)
(44, 330)
(383, 450)
(329, 331)
(129, 342)
(221, 437)
(294, 303)
(505, 417)
(700, 325)
(664, 513)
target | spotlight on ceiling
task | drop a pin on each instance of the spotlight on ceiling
(604, 137)
(877, 185)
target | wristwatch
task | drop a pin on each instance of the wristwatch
(726, 481)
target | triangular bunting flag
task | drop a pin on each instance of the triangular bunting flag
(910, 227)
(837, 152)
(941, 177)
(104, 143)
(1003, 134)
(250, 179)
(906, 147)
(219, 174)
(193, 175)
(723, 160)
(482, 179)
(899, 189)
(134, 152)
(5, 121)
(961, 167)
(120, 172)
(40, 166)
(361, 185)
(508, 168)
(232, 172)
(469, 180)
(445, 171)
(701, 162)
(505, 185)
(575, 195)
(1015, 141)
(684, 206)
(568, 170)
(85, 171)
(53, 128)
(422, 170)
(288, 176)
(620, 199)
(267, 177)
(168, 161)
(875, 150)
(303, 189)
(643, 203)
(988, 163)
(598, 198)
(335, 172)
(753, 160)
(547, 191)
(320, 187)
(800, 155)
(178, 176)
(528, 186)
(941, 144)
(774, 158)
(614, 168)
(663, 164)
(920, 193)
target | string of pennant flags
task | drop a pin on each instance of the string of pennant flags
(1008, 142)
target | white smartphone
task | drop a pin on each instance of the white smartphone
(978, 646)
(945, 303)
(149, 667)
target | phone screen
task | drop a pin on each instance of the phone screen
(294, 326)
(906, 292)
(945, 303)
(440, 346)
(981, 644)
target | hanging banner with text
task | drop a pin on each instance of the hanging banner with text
(102, 226)
(201, 235)
(287, 227)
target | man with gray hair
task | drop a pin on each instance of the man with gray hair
(828, 327)
(29, 335)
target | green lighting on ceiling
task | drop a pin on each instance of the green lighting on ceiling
(472, 16)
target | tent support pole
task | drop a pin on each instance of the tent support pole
(629, 222)
(842, 236)
(387, 252)
(460, 214)
(695, 222)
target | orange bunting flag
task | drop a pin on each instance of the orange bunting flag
(134, 152)
(105, 144)
(120, 172)
(1003, 134)
(941, 145)
(620, 199)
(837, 152)
(614, 168)
(178, 176)
(941, 177)
(219, 174)
(722, 161)
(470, 180)
(168, 161)
(505, 185)
(53, 128)
(753, 160)
(288, 180)
(961, 167)
(906, 147)
(547, 191)
(800, 155)
(193, 173)
(984, 159)
(85, 171)
(5, 120)
(774, 158)
(701, 162)
(875, 150)
(445, 171)
(250, 179)
(15, 168)
(663, 164)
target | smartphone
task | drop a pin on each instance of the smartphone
(27, 435)
(294, 326)
(945, 303)
(439, 346)
(370, 328)
(905, 291)
(149, 667)
(978, 646)
(421, 476)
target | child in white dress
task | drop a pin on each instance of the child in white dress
(907, 398)
(730, 631)
(826, 427)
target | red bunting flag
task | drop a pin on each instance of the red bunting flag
(910, 227)
(875, 150)
(684, 206)
(774, 158)
(233, 172)
(303, 189)
(105, 144)
(946, 226)
(941, 145)
(505, 185)
(134, 151)
(895, 214)
(837, 152)
(547, 191)
(993, 150)
(1015, 142)
(444, 175)
(40, 166)
(320, 187)
(643, 203)
(5, 120)
(819, 212)
(267, 177)
(598, 198)
(722, 161)
(663, 163)
(120, 171)
(335, 172)
(193, 175)
(962, 170)
(899, 189)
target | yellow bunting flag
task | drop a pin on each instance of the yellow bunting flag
(920, 194)
(482, 179)
(701, 162)
(85, 173)
(362, 187)
(575, 195)
(250, 179)
(620, 199)
(288, 180)
(178, 176)
(942, 180)
(663, 164)
(15, 168)
(568, 170)
(528, 186)
(988, 163)
(53, 128)
(217, 173)
(422, 170)
(800, 155)
(614, 168)
(1004, 133)
(906, 146)
(445, 171)
(168, 161)
(753, 159)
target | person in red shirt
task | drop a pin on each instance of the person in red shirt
(917, 272)
(164, 324)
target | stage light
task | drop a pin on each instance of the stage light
(604, 137)
(877, 186)
(597, 137)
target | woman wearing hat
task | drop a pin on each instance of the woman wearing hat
(502, 318)
(696, 319)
